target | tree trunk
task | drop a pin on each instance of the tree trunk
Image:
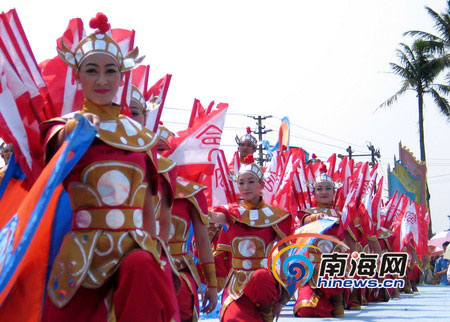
(421, 131)
(422, 151)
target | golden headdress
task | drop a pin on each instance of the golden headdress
(247, 137)
(137, 96)
(99, 42)
(323, 176)
(251, 167)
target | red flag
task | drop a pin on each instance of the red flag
(284, 196)
(390, 207)
(365, 204)
(156, 96)
(348, 211)
(15, 43)
(139, 78)
(125, 39)
(193, 148)
(17, 123)
(219, 189)
(65, 92)
(376, 208)
(331, 165)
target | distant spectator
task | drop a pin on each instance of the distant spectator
(440, 270)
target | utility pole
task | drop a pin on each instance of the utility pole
(261, 130)
(350, 153)
(374, 154)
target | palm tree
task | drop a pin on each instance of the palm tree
(419, 68)
(440, 43)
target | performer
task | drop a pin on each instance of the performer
(384, 294)
(189, 212)
(108, 267)
(163, 201)
(313, 301)
(251, 292)
(440, 269)
(5, 154)
(246, 145)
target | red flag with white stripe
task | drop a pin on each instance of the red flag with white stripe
(156, 96)
(64, 90)
(219, 188)
(193, 148)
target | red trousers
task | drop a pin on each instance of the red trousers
(187, 299)
(262, 289)
(414, 274)
(323, 307)
(141, 292)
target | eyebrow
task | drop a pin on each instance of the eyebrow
(96, 65)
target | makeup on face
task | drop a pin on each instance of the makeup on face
(100, 78)
(324, 193)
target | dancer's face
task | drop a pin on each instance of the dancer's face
(324, 193)
(136, 113)
(250, 187)
(246, 148)
(100, 78)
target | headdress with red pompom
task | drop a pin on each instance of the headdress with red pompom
(251, 167)
(247, 137)
(323, 176)
(99, 42)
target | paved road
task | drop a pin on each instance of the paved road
(430, 304)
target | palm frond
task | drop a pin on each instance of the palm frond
(440, 23)
(422, 34)
(441, 102)
(394, 98)
(442, 88)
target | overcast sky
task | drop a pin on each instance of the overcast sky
(325, 64)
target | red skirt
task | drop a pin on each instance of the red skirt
(138, 291)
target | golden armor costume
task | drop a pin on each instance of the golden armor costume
(107, 193)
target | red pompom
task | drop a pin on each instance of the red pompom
(249, 159)
(161, 123)
(314, 156)
(283, 147)
(100, 22)
(323, 168)
(249, 130)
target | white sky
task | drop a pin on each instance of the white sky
(325, 64)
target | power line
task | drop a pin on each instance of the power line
(440, 175)
(293, 124)
(324, 135)
(315, 141)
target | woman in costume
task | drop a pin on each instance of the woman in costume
(189, 214)
(251, 291)
(108, 267)
(163, 201)
(313, 301)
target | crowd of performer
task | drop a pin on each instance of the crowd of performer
(146, 244)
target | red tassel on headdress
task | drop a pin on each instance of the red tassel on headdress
(314, 156)
(100, 22)
(283, 147)
(249, 130)
(323, 168)
(161, 123)
(249, 159)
